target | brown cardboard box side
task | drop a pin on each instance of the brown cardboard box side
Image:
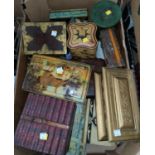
(135, 4)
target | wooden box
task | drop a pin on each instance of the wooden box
(118, 112)
(70, 13)
(111, 48)
(56, 77)
(93, 145)
(77, 143)
(45, 125)
(44, 37)
(82, 39)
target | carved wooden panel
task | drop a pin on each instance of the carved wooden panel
(121, 104)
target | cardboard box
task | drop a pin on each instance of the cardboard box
(39, 12)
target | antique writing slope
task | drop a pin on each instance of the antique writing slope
(121, 104)
(56, 77)
(46, 116)
(82, 39)
(44, 37)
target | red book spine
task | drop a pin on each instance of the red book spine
(33, 106)
(51, 109)
(18, 132)
(34, 111)
(27, 104)
(56, 113)
(36, 140)
(45, 107)
(41, 143)
(62, 140)
(39, 106)
(70, 113)
(69, 118)
(49, 141)
(62, 112)
(35, 137)
(63, 143)
(55, 142)
(51, 132)
(29, 136)
(45, 127)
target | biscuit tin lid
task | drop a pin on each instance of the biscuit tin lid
(106, 13)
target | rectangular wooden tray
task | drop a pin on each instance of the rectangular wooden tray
(42, 78)
(121, 104)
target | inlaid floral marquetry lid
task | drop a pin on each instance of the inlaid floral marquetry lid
(82, 35)
(57, 78)
(44, 37)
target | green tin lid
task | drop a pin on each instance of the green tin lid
(106, 13)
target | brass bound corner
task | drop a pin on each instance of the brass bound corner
(121, 101)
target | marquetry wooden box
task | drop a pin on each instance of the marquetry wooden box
(112, 48)
(45, 125)
(44, 37)
(58, 78)
(117, 105)
(82, 39)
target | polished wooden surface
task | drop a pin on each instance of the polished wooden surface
(100, 108)
(121, 104)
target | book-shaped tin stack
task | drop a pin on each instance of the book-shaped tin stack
(111, 48)
(58, 78)
(82, 39)
(45, 125)
(44, 38)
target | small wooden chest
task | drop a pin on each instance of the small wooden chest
(58, 78)
(111, 48)
(82, 39)
(45, 125)
(117, 105)
(44, 37)
(70, 13)
(121, 104)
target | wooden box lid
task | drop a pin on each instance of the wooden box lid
(44, 37)
(82, 35)
(58, 78)
(121, 102)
